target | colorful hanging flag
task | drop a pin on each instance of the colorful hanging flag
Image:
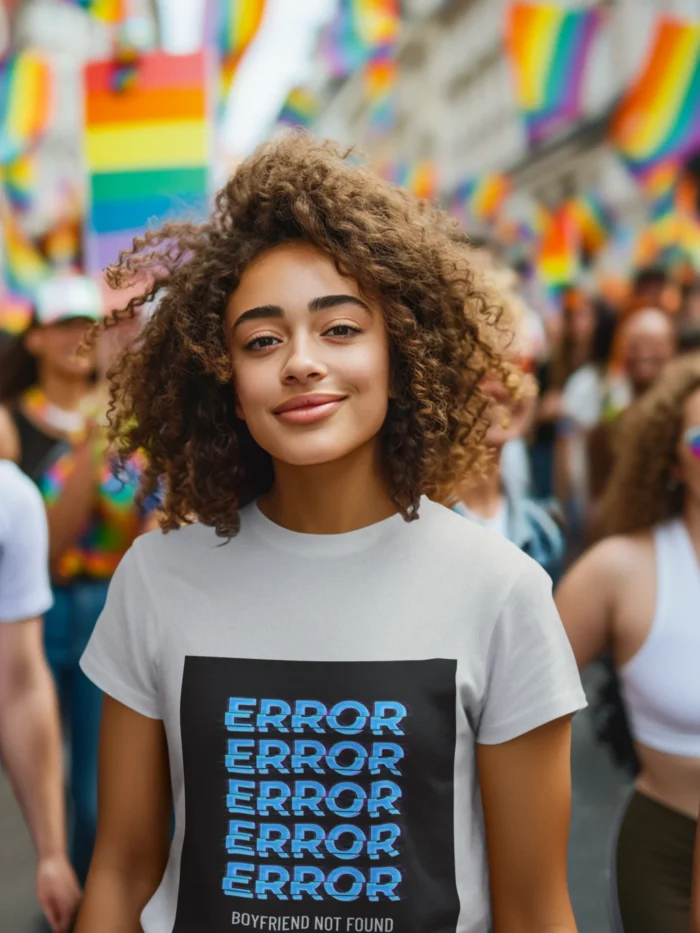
(19, 179)
(549, 47)
(482, 197)
(593, 220)
(299, 109)
(147, 150)
(558, 257)
(658, 121)
(109, 11)
(239, 25)
(25, 103)
(24, 267)
(359, 28)
(380, 77)
(15, 314)
(421, 179)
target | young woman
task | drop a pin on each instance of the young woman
(49, 427)
(351, 695)
(637, 594)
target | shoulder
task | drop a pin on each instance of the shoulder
(9, 438)
(466, 547)
(616, 560)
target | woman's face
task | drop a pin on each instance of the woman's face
(310, 357)
(689, 447)
(57, 346)
(582, 322)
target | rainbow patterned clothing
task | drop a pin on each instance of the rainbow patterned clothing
(115, 522)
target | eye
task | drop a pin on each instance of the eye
(262, 342)
(342, 330)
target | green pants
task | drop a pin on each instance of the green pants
(654, 865)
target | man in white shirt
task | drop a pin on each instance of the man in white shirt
(30, 738)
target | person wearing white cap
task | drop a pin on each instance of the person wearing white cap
(50, 427)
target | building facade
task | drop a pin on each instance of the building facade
(456, 106)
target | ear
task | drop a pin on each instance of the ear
(34, 341)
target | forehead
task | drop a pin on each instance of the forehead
(290, 275)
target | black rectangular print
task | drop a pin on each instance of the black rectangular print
(318, 796)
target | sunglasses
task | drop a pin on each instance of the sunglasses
(691, 439)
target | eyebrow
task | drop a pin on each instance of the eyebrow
(316, 304)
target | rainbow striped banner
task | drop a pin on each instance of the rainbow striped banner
(481, 198)
(25, 103)
(299, 109)
(380, 76)
(238, 26)
(147, 149)
(24, 267)
(658, 122)
(548, 47)
(20, 179)
(558, 258)
(109, 11)
(359, 28)
(593, 221)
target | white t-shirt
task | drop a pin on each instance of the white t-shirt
(322, 696)
(25, 591)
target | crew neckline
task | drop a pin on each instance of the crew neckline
(327, 545)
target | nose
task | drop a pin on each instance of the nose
(302, 364)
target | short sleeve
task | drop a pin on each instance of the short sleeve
(25, 590)
(121, 656)
(532, 676)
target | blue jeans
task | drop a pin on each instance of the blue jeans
(67, 629)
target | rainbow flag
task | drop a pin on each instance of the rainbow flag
(147, 150)
(558, 257)
(20, 179)
(548, 47)
(25, 103)
(23, 265)
(380, 77)
(593, 220)
(109, 11)
(238, 26)
(658, 122)
(421, 179)
(15, 314)
(359, 28)
(299, 109)
(481, 198)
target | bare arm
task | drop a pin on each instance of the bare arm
(134, 820)
(585, 599)
(30, 742)
(526, 793)
(695, 907)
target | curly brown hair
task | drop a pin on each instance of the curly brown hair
(172, 394)
(643, 490)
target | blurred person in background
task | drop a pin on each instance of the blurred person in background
(695, 905)
(648, 290)
(30, 734)
(636, 594)
(571, 348)
(648, 341)
(491, 500)
(55, 402)
(690, 308)
(584, 398)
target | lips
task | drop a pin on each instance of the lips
(307, 401)
(307, 409)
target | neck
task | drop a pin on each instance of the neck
(330, 498)
(62, 391)
(483, 495)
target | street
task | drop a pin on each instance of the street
(598, 794)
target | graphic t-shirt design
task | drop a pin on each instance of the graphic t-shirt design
(318, 796)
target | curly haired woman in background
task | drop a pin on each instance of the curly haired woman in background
(353, 694)
(638, 593)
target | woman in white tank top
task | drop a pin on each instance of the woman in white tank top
(637, 595)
